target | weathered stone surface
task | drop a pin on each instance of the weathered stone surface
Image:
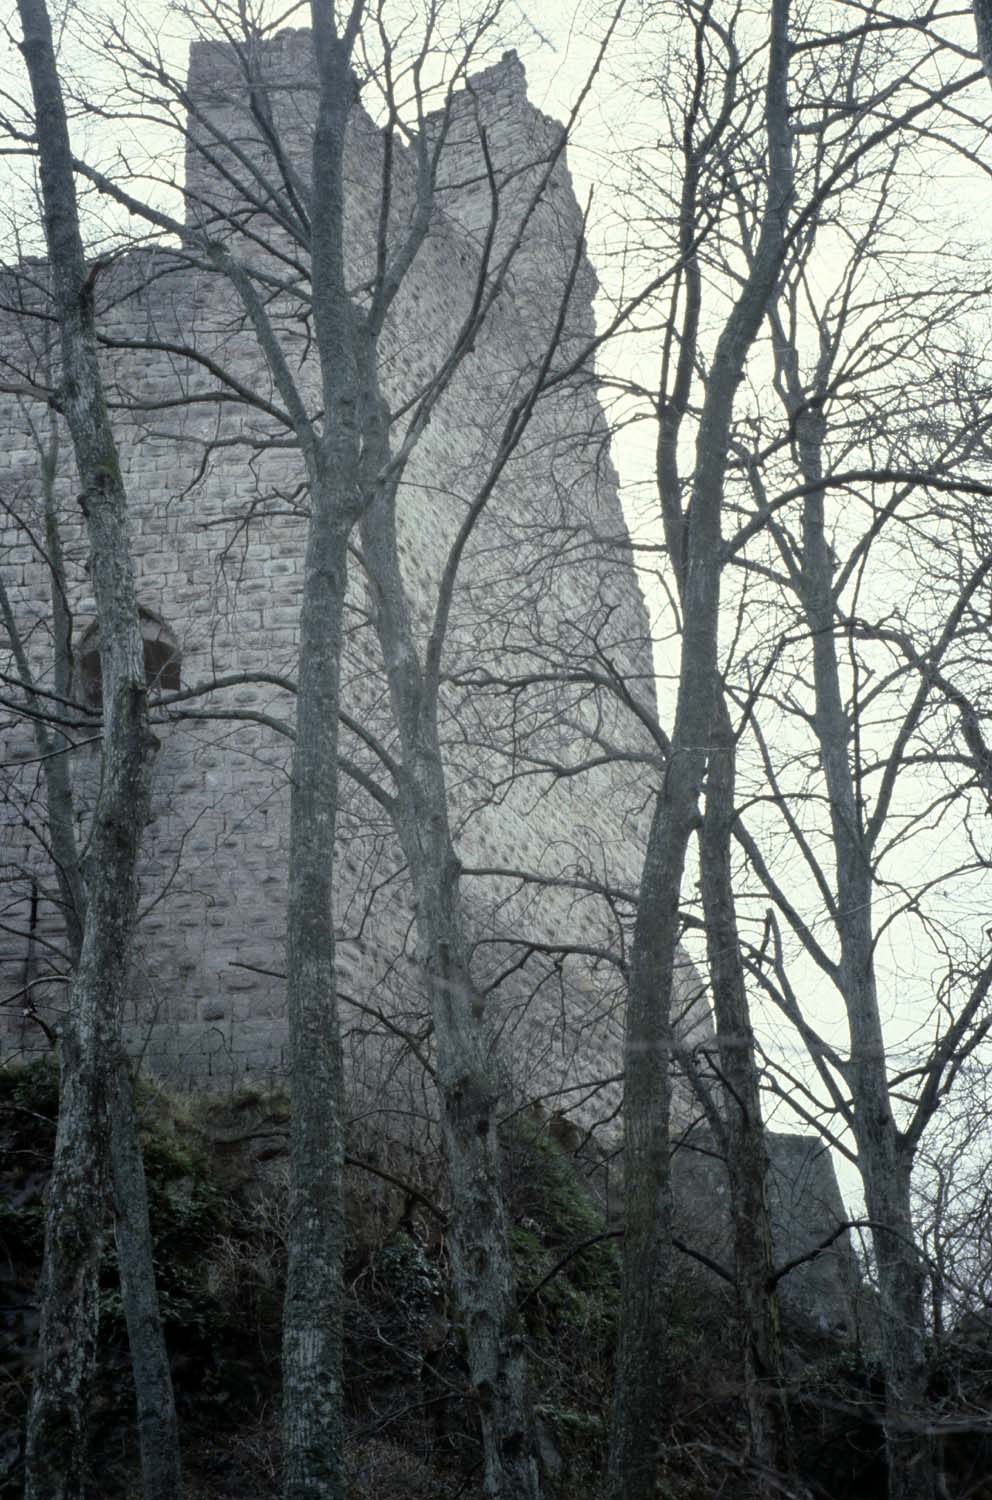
(218, 531)
(218, 526)
(806, 1208)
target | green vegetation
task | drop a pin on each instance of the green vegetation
(217, 1175)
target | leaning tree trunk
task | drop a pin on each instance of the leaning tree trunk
(482, 1269)
(158, 1433)
(639, 1405)
(77, 1198)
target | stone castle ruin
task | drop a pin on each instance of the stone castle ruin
(547, 593)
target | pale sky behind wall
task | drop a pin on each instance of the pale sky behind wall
(956, 192)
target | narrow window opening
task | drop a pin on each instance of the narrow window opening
(162, 660)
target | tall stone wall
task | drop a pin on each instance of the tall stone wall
(547, 594)
(218, 500)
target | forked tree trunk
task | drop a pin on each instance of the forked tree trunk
(883, 1160)
(158, 1433)
(639, 1411)
(77, 1197)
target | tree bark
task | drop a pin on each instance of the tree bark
(885, 1167)
(77, 1197)
(743, 1134)
(158, 1428)
(639, 1405)
(312, 1415)
(157, 1425)
(480, 1258)
(983, 30)
(884, 1156)
(313, 1430)
(643, 1374)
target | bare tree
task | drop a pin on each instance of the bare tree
(871, 719)
(54, 743)
(641, 1369)
(96, 1126)
(291, 244)
(310, 293)
(728, 226)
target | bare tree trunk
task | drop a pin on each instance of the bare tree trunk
(639, 1406)
(77, 1199)
(157, 1425)
(885, 1166)
(158, 1428)
(983, 29)
(910, 1448)
(884, 1155)
(313, 1431)
(312, 1415)
(69, 1289)
(643, 1375)
(483, 1276)
(743, 1133)
(481, 1265)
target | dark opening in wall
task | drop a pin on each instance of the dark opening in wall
(162, 659)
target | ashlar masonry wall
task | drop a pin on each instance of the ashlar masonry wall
(218, 500)
(550, 824)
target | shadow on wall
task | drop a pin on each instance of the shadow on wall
(806, 1208)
